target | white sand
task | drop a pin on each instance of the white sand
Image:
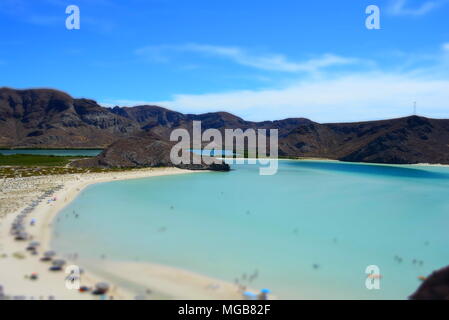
(162, 281)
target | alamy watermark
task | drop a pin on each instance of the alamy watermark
(372, 281)
(249, 145)
(72, 281)
(73, 21)
(372, 22)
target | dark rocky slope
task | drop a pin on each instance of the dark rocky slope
(145, 151)
(49, 118)
(405, 140)
(435, 287)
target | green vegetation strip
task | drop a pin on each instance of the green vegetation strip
(35, 160)
(27, 165)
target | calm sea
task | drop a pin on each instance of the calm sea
(309, 231)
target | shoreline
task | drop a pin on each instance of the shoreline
(166, 282)
(340, 161)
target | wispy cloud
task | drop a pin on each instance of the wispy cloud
(273, 62)
(269, 62)
(404, 8)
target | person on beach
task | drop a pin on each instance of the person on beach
(263, 295)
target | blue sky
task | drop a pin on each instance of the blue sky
(261, 60)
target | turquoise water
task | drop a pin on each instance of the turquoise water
(339, 216)
(212, 152)
(54, 152)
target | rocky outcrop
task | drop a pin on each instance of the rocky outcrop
(435, 287)
(148, 150)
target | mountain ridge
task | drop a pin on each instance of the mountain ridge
(48, 118)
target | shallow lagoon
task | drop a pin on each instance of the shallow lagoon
(340, 217)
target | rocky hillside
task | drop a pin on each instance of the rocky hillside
(405, 140)
(147, 151)
(435, 287)
(47, 118)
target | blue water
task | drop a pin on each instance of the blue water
(54, 152)
(212, 152)
(341, 217)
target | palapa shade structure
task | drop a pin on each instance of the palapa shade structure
(49, 254)
(101, 288)
(34, 244)
(58, 262)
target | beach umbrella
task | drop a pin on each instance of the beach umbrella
(249, 295)
(265, 290)
(102, 286)
(58, 262)
(16, 230)
(34, 244)
(55, 268)
(22, 236)
(49, 254)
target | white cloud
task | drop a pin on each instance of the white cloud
(273, 62)
(270, 62)
(356, 97)
(347, 98)
(401, 7)
(446, 47)
(110, 103)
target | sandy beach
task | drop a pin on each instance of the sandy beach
(146, 280)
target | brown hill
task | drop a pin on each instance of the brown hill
(49, 118)
(405, 140)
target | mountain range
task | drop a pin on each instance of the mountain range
(47, 118)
